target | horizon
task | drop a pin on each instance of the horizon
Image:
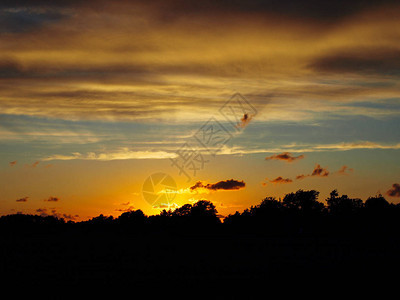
(114, 106)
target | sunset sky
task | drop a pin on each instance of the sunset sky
(96, 96)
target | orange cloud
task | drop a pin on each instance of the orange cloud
(319, 171)
(345, 170)
(244, 121)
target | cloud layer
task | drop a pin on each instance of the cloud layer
(136, 61)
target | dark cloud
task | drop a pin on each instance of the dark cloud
(172, 10)
(323, 11)
(13, 68)
(365, 61)
(286, 156)
(280, 180)
(129, 208)
(10, 68)
(70, 217)
(42, 212)
(394, 191)
(52, 199)
(24, 19)
(25, 199)
(13, 163)
(319, 171)
(230, 184)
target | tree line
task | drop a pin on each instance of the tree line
(298, 212)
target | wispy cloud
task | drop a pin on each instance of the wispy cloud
(345, 170)
(355, 145)
(123, 153)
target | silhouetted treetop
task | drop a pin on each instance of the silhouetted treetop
(343, 204)
(304, 201)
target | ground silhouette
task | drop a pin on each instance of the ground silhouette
(278, 236)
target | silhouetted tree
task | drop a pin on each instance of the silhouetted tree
(268, 206)
(376, 203)
(343, 204)
(134, 217)
(304, 201)
(101, 220)
(183, 211)
(203, 209)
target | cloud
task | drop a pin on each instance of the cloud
(42, 212)
(172, 205)
(244, 121)
(355, 145)
(166, 72)
(52, 199)
(281, 180)
(70, 217)
(394, 191)
(24, 19)
(12, 163)
(25, 199)
(286, 156)
(345, 170)
(230, 184)
(45, 212)
(123, 153)
(319, 171)
(361, 60)
(297, 148)
(129, 208)
(34, 165)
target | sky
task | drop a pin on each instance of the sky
(109, 106)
